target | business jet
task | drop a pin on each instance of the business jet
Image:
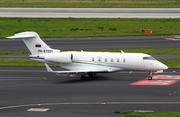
(87, 64)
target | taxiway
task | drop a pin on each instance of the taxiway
(24, 88)
(73, 43)
(91, 12)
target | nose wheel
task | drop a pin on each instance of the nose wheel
(150, 76)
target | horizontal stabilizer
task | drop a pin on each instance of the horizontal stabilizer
(21, 36)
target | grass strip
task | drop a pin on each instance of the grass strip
(151, 51)
(14, 52)
(88, 27)
(92, 3)
(26, 62)
(20, 62)
(171, 63)
(150, 114)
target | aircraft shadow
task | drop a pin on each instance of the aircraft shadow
(95, 78)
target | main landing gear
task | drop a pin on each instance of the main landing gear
(150, 76)
(83, 77)
(89, 75)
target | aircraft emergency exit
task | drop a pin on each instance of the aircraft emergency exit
(87, 64)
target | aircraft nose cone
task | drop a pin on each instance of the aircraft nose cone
(161, 66)
(164, 67)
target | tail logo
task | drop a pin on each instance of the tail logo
(38, 45)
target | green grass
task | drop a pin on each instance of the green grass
(151, 51)
(14, 52)
(92, 3)
(22, 62)
(150, 114)
(159, 51)
(85, 27)
(171, 63)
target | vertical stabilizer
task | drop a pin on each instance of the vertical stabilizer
(34, 43)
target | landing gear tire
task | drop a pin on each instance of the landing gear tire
(83, 78)
(90, 75)
(149, 77)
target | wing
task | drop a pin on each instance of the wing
(74, 72)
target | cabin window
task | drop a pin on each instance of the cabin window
(124, 60)
(117, 59)
(105, 59)
(99, 59)
(111, 59)
(92, 59)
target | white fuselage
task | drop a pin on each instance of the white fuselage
(101, 61)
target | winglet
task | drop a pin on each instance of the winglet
(48, 68)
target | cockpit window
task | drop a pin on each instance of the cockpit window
(149, 58)
(145, 58)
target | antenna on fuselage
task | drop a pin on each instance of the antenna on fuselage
(122, 51)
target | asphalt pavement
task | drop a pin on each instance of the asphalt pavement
(24, 88)
(74, 43)
(91, 12)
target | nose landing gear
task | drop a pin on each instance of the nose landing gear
(150, 76)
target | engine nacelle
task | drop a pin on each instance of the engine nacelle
(59, 57)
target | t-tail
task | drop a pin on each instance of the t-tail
(34, 43)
